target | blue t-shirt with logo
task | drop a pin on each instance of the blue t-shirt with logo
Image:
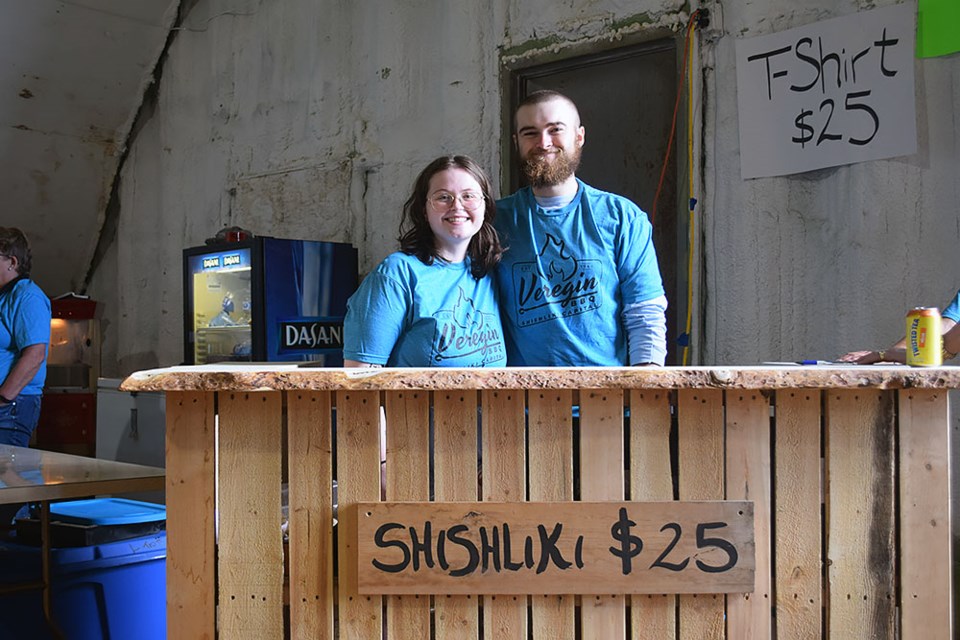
(24, 321)
(410, 314)
(568, 274)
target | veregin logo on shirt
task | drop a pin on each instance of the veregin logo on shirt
(556, 285)
(464, 333)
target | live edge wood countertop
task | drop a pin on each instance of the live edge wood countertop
(293, 377)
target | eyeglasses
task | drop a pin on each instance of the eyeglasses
(471, 200)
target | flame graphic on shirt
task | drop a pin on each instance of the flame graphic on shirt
(465, 313)
(564, 265)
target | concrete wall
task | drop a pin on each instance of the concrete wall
(298, 118)
(815, 264)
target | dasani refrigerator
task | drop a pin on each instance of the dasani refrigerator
(267, 299)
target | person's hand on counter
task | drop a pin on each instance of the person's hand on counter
(949, 329)
(895, 353)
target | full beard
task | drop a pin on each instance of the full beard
(541, 172)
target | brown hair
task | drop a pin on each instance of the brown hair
(416, 236)
(541, 96)
(14, 244)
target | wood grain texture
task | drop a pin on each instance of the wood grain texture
(358, 479)
(926, 563)
(700, 436)
(504, 463)
(550, 438)
(749, 477)
(455, 479)
(310, 472)
(250, 547)
(556, 548)
(797, 518)
(860, 514)
(652, 617)
(408, 478)
(191, 481)
(287, 377)
(870, 581)
(602, 478)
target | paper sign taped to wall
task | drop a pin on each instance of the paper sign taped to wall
(827, 94)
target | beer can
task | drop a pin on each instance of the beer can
(923, 337)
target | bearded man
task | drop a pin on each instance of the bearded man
(579, 283)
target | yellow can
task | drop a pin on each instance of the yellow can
(923, 337)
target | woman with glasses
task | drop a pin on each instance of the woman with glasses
(24, 336)
(433, 303)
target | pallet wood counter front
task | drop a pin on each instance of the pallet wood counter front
(847, 470)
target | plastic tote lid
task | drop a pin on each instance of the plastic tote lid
(104, 511)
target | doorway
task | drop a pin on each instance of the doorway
(626, 98)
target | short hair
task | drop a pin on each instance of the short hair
(416, 236)
(541, 96)
(14, 244)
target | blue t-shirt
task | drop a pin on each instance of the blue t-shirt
(409, 314)
(24, 321)
(953, 311)
(568, 274)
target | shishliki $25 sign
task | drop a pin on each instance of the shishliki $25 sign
(552, 547)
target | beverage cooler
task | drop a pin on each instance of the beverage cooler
(267, 299)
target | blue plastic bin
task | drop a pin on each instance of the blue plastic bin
(113, 591)
(107, 511)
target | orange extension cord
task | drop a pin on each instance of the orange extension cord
(688, 76)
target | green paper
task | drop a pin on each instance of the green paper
(938, 27)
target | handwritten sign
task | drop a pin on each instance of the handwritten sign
(831, 93)
(554, 548)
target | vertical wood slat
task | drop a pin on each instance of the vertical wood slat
(550, 436)
(504, 480)
(358, 480)
(700, 424)
(601, 478)
(860, 543)
(250, 547)
(748, 478)
(653, 617)
(455, 479)
(926, 547)
(190, 486)
(310, 474)
(408, 478)
(798, 521)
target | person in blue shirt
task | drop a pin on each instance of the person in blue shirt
(579, 284)
(24, 336)
(897, 352)
(433, 303)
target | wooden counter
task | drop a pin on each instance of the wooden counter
(847, 467)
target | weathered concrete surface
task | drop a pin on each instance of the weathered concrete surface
(74, 75)
(306, 119)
